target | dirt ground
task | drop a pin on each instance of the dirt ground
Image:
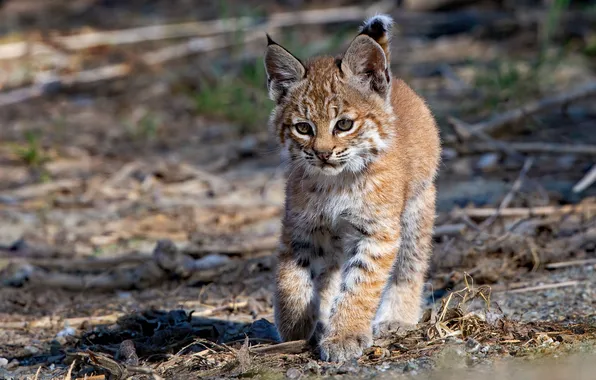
(139, 212)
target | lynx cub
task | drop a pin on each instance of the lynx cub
(363, 152)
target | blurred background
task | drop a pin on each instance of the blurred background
(128, 123)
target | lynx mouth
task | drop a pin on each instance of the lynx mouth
(329, 168)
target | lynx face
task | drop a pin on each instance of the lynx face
(332, 115)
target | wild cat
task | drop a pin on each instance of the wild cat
(360, 196)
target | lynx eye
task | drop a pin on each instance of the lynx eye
(303, 128)
(344, 125)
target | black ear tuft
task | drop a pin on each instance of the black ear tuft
(270, 40)
(379, 29)
(376, 28)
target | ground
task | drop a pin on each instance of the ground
(139, 213)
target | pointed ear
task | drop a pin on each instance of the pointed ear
(283, 70)
(365, 62)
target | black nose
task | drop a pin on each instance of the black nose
(324, 155)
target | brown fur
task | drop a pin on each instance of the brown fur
(357, 228)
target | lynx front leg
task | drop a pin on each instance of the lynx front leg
(296, 303)
(364, 275)
(327, 282)
(401, 303)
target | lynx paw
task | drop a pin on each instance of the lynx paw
(381, 329)
(345, 347)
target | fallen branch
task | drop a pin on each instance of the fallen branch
(293, 347)
(91, 263)
(495, 124)
(76, 323)
(22, 249)
(545, 287)
(523, 212)
(166, 263)
(531, 147)
(586, 181)
(193, 29)
(571, 263)
(39, 190)
(464, 131)
(51, 84)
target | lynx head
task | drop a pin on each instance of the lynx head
(334, 114)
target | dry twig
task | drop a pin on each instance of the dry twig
(449, 230)
(39, 190)
(565, 264)
(546, 287)
(76, 323)
(510, 195)
(524, 212)
(496, 123)
(293, 347)
(586, 181)
(465, 132)
(532, 147)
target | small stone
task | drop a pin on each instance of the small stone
(411, 366)
(488, 162)
(492, 317)
(3, 362)
(472, 345)
(6, 375)
(14, 363)
(293, 373)
(67, 331)
(313, 367)
(31, 350)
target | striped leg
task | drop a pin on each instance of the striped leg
(364, 275)
(296, 303)
(401, 303)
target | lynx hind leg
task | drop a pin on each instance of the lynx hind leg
(400, 307)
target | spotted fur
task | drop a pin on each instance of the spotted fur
(360, 201)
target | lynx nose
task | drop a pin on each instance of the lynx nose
(323, 155)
